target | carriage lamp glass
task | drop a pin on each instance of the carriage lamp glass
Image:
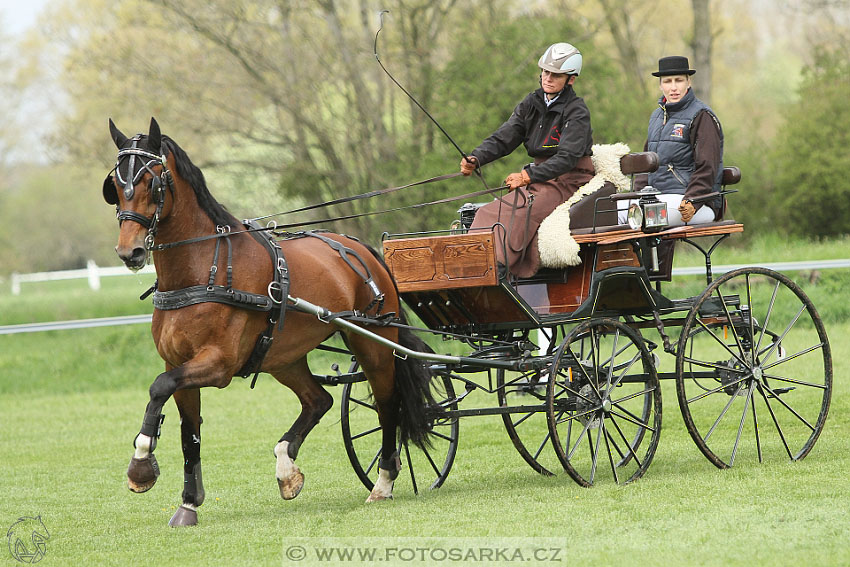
(653, 215)
(635, 216)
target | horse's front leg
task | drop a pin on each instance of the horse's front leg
(189, 405)
(200, 371)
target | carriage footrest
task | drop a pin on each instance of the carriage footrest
(337, 379)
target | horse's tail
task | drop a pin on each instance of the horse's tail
(418, 408)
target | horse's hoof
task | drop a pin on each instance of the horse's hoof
(291, 486)
(142, 473)
(377, 498)
(184, 517)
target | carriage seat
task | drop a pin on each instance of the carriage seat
(615, 168)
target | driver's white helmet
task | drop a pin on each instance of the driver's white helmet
(561, 58)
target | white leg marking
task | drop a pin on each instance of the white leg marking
(143, 446)
(290, 480)
(383, 489)
(285, 466)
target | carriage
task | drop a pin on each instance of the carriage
(750, 357)
(577, 381)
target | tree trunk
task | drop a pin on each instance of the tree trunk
(701, 46)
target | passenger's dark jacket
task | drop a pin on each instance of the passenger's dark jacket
(561, 133)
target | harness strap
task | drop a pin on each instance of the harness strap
(344, 251)
(175, 299)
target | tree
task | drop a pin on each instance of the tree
(702, 43)
(810, 157)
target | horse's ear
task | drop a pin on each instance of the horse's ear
(110, 195)
(154, 136)
(117, 137)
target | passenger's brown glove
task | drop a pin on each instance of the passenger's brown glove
(468, 165)
(687, 210)
(517, 180)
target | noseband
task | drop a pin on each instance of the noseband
(158, 183)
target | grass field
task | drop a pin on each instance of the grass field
(71, 403)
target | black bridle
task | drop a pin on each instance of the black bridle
(157, 189)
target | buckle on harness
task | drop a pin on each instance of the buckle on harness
(275, 291)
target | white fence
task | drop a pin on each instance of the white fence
(92, 272)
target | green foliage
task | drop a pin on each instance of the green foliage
(810, 159)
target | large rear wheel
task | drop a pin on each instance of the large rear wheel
(753, 369)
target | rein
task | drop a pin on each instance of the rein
(223, 232)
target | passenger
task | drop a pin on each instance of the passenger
(554, 125)
(686, 135)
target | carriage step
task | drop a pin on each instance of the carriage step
(337, 379)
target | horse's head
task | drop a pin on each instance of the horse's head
(137, 188)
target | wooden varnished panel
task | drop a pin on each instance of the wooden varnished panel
(614, 255)
(560, 297)
(442, 262)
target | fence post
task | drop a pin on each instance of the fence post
(16, 283)
(94, 275)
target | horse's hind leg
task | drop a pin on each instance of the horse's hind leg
(378, 364)
(189, 405)
(315, 402)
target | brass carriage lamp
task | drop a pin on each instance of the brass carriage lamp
(648, 214)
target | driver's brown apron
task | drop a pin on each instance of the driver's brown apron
(520, 212)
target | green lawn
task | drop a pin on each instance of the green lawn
(72, 402)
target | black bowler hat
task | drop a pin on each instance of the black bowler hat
(673, 65)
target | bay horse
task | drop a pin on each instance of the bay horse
(212, 309)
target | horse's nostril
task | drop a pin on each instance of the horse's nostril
(134, 257)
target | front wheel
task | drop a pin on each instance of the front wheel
(753, 369)
(361, 435)
(604, 403)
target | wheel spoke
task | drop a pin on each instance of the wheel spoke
(793, 356)
(767, 317)
(741, 349)
(786, 331)
(608, 449)
(794, 381)
(715, 390)
(631, 419)
(410, 468)
(580, 437)
(732, 399)
(789, 408)
(756, 427)
(442, 436)
(720, 342)
(365, 433)
(622, 375)
(542, 444)
(626, 441)
(372, 463)
(741, 426)
(776, 423)
(364, 404)
(595, 453)
(634, 395)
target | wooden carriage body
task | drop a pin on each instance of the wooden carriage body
(452, 282)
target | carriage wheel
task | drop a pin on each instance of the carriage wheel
(753, 369)
(604, 403)
(361, 436)
(528, 430)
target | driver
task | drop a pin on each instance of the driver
(554, 125)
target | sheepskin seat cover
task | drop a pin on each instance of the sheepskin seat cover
(558, 249)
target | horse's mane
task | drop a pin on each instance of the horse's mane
(195, 177)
